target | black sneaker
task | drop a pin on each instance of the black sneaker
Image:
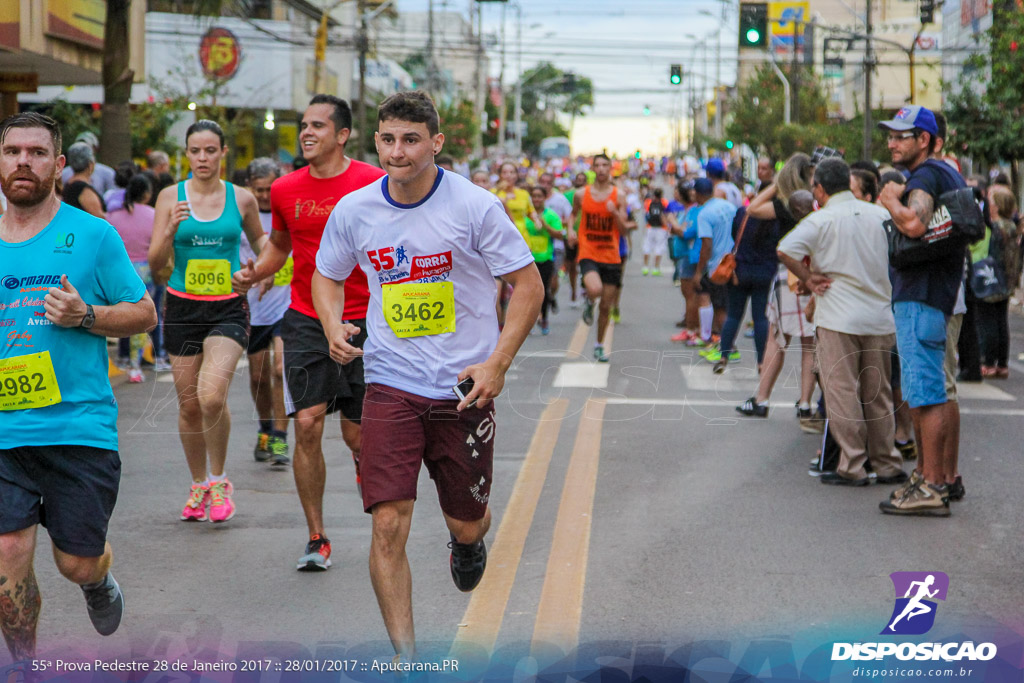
(467, 562)
(105, 604)
(553, 305)
(956, 489)
(751, 408)
(836, 479)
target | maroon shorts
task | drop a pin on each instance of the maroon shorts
(403, 430)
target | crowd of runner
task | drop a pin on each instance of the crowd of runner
(397, 297)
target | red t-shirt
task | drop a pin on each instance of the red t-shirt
(301, 204)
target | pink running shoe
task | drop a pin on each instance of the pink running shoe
(222, 508)
(195, 508)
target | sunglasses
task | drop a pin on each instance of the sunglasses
(902, 136)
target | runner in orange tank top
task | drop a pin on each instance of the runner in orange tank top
(602, 212)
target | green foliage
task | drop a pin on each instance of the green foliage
(757, 118)
(459, 125)
(73, 119)
(546, 87)
(989, 124)
(150, 124)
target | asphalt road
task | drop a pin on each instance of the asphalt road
(634, 514)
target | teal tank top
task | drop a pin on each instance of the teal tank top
(206, 252)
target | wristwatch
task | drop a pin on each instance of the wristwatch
(90, 318)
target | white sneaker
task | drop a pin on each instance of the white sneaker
(135, 376)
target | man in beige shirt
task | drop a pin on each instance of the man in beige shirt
(855, 326)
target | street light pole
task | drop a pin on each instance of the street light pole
(869, 64)
(518, 103)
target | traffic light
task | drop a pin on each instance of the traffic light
(728, 144)
(675, 76)
(647, 110)
(927, 10)
(636, 155)
(754, 24)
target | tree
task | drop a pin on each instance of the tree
(459, 124)
(546, 92)
(115, 139)
(988, 123)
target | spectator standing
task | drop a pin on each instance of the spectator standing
(1003, 244)
(924, 296)
(854, 325)
(102, 176)
(78, 192)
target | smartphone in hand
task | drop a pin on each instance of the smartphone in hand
(463, 388)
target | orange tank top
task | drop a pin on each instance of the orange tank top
(599, 233)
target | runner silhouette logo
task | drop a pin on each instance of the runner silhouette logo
(916, 593)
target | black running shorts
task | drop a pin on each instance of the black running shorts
(611, 273)
(312, 377)
(262, 336)
(188, 322)
(70, 490)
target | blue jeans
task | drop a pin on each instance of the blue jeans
(736, 297)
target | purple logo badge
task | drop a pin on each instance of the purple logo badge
(916, 592)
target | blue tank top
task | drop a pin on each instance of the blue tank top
(206, 252)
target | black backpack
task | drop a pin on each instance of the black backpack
(654, 211)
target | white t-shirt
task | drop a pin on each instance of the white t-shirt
(459, 233)
(732, 193)
(275, 302)
(561, 206)
(846, 242)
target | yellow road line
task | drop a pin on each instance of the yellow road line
(561, 599)
(579, 339)
(483, 616)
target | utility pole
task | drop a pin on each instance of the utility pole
(362, 43)
(518, 100)
(795, 77)
(431, 70)
(503, 121)
(479, 97)
(869, 65)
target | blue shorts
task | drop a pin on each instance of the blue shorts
(921, 338)
(685, 269)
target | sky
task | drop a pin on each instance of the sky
(626, 48)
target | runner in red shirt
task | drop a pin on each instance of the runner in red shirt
(315, 385)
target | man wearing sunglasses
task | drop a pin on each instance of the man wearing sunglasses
(923, 299)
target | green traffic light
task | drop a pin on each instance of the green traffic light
(728, 144)
(675, 80)
(753, 36)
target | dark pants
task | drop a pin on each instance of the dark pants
(993, 332)
(967, 346)
(547, 270)
(736, 298)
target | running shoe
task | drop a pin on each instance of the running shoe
(262, 450)
(554, 305)
(751, 408)
(656, 273)
(922, 500)
(715, 355)
(122, 363)
(599, 355)
(645, 272)
(956, 489)
(683, 336)
(810, 421)
(318, 555)
(105, 603)
(195, 507)
(545, 330)
(278, 448)
(719, 367)
(135, 376)
(588, 312)
(222, 508)
(574, 304)
(467, 562)
(907, 450)
(616, 318)
(162, 365)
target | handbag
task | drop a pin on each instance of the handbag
(725, 271)
(956, 222)
(988, 279)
